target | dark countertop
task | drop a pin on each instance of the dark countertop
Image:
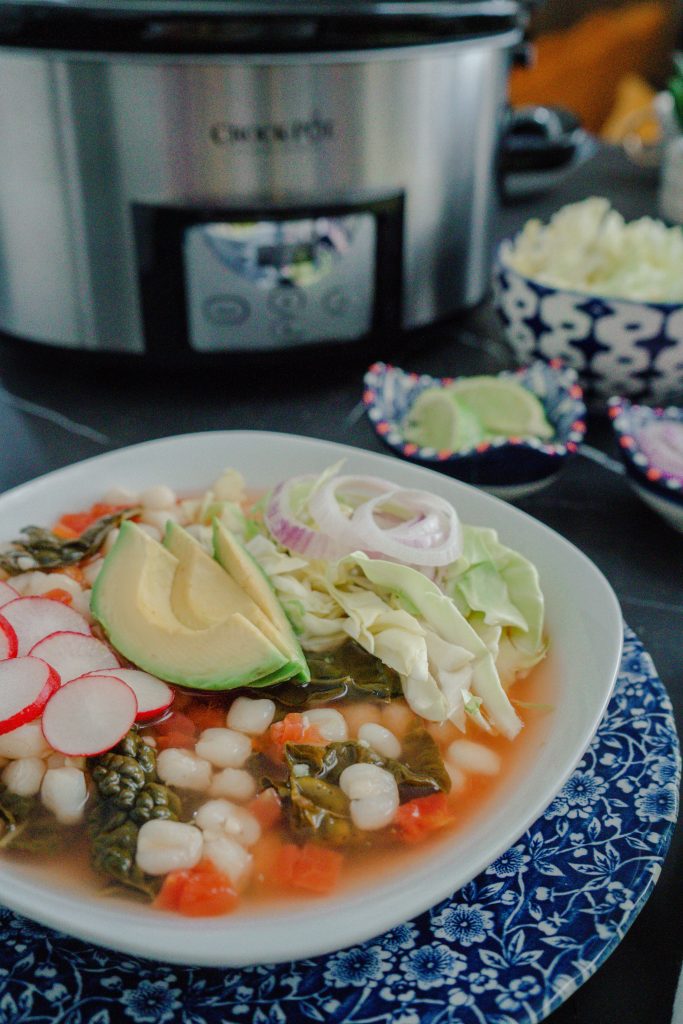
(53, 413)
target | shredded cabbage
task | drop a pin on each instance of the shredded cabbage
(499, 592)
(458, 636)
(588, 246)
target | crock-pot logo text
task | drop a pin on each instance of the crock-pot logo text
(310, 131)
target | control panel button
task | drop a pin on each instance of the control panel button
(286, 300)
(285, 330)
(226, 310)
(335, 302)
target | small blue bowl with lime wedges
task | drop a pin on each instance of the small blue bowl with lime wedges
(508, 433)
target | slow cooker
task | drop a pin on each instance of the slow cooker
(207, 177)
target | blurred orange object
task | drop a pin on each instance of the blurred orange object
(632, 107)
(580, 67)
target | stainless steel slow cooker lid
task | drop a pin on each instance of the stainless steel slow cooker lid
(251, 26)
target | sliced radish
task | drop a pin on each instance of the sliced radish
(74, 654)
(8, 640)
(33, 618)
(7, 593)
(152, 694)
(89, 715)
(26, 685)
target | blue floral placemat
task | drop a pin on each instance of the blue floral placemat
(506, 949)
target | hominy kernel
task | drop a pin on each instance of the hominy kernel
(330, 723)
(251, 715)
(164, 846)
(158, 497)
(221, 817)
(380, 739)
(120, 496)
(230, 857)
(64, 792)
(24, 776)
(233, 783)
(25, 741)
(157, 518)
(374, 812)
(184, 769)
(224, 748)
(473, 757)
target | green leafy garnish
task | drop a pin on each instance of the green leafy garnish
(47, 551)
(127, 794)
(421, 770)
(314, 804)
(14, 809)
(27, 826)
(347, 672)
(675, 87)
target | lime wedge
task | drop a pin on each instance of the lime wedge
(438, 419)
(503, 406)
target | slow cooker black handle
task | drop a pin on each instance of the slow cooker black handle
(540, 142)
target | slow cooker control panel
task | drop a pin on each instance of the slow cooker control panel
(268, 284)
(245, 280)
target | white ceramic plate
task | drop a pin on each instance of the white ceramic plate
(584, 625)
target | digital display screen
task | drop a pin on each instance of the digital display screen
(285, 255)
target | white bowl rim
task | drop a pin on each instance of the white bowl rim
(359, 914)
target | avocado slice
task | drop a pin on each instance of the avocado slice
(131, 599)
(246, 571)
(203, 593)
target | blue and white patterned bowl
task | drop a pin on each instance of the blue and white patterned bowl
(617, 346)
(657, 488)
(508, 467)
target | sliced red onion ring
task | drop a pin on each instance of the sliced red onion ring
(325, 508)
(294, 534)
(419, 545)
(417, 528)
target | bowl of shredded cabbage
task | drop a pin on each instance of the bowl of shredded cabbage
(602, 294)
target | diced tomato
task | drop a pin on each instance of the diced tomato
(59, 594)
(202, 891)
(101, 508)
(76, 522)
(168, 896)
(206, 715)
(266, 808)
(318, 869)
(182, 700)
(64, 532)
(72, 524)
(266, 854)
(175, 722)
(310, 867)
(292, 729)
(177, 730)
(417, 819)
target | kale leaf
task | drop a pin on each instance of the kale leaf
(127, 794)
(25, 825)
(313, 801)
(48, 551)
(348, 672)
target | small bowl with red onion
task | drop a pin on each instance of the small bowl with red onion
(509, 467)
(651, 445)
